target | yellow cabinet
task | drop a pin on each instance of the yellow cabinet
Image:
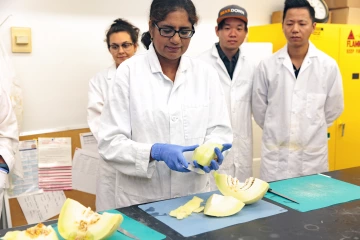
(342, 42)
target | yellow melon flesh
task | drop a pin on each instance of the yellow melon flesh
(38, 232)
(249, 192)
(222, 206)
(185, 210)
(78, 222)
(205, 153)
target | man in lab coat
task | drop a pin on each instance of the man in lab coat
(236, 73)
(8, 140)
(297, 94)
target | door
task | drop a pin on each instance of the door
(348, 125)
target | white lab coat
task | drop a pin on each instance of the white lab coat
(99, 87)
(146, 107)
(9, 138)
(238, 163)
(295, 113)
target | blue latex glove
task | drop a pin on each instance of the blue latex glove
(172, 155)
(214, 165)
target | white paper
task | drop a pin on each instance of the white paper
(40, 207)
(84, 170)
(30, 182)
(54, 152)
(88, 142)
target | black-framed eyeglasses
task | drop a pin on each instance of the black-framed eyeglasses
(170, 32)
(126, 46)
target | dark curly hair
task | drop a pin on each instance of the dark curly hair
(121, 25)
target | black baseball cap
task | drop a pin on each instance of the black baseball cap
(232, 11)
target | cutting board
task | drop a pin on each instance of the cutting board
(198, 223)
(134, 227)
(313, 192)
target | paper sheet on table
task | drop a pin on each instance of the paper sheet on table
(198, 223)
(30, 182)
(54, 152)
(84, 170)
(88, 142)
(40, 207)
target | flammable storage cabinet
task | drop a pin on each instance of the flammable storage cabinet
(341, 42)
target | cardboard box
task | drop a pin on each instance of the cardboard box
(333, 4)
(277, 17)
(346, 16)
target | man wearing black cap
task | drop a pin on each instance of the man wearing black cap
(236, 73)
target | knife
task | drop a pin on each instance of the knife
(126, 233)
(194, 169)
(280, 195)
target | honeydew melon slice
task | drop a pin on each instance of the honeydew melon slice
(78, 222)
(205, 153)
(222, 206)
(252, 190)
(185, 210)
(38, 232)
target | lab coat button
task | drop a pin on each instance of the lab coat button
(173, 119)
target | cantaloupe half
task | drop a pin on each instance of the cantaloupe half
(78, 222)
(222, 206)
(205, 153)
(252, 190)
(38, 232)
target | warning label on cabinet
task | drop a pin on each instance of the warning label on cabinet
(353, 43)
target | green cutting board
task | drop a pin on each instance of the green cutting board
(134, 227)
(313, 192)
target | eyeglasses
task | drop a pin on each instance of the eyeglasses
(170, 32)
(125, 46)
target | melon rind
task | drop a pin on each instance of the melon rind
(205, 153)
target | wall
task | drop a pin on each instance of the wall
(68, 49)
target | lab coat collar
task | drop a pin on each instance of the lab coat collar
(285, 57)
(312, 51)
(242, 57)
(155, 63)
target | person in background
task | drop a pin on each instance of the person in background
(9, 140)
(162, 106)
(122, 42)
(297, 95)
(236, 74)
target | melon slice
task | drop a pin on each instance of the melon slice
(80, 223)
(205, 153)
(252, 190)
(185, 210)
(222, 206)
(38, 232)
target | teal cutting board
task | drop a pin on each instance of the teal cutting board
(313, 192)
(136, 228)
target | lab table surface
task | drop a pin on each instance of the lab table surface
(338, 222)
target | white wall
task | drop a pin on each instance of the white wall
(68, 49)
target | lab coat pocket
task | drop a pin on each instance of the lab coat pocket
(243, 90)
(315, 106)
(195, 120)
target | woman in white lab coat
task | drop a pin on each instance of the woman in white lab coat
(161, 107)
(297, 94)
(122, 42)
(9, 140)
